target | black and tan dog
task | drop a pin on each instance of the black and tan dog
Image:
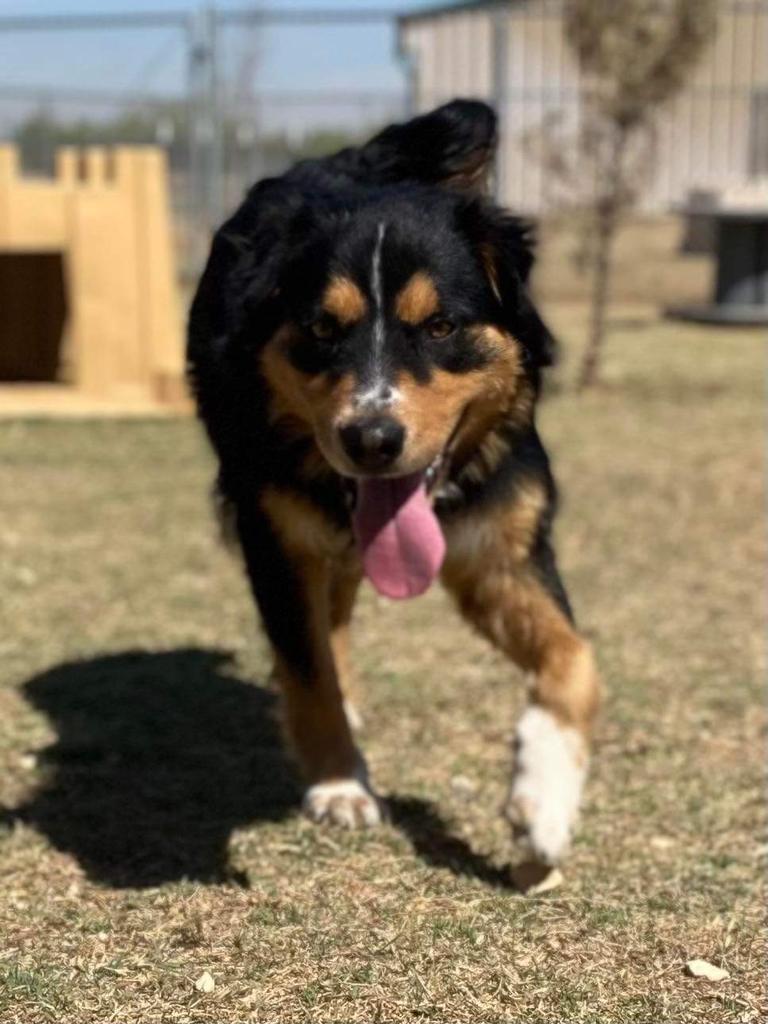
(367, 360)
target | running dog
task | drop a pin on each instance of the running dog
(367, 359)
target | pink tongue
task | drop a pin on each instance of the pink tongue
(399, 535)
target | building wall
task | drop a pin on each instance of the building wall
(452, 56)
(714, 135)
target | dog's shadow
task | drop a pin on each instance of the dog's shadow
(159, 756)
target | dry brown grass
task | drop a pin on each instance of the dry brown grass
(151, 830)
(649, 266)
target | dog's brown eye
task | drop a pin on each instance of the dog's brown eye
(440, 328)
(323, 329)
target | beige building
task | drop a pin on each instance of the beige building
(514, 54)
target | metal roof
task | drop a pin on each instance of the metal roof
(456, 8)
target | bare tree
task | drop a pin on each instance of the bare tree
(634, 55)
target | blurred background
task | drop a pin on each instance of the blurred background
(232, 93)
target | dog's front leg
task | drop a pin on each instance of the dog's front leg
(520, 606)
(294, 593)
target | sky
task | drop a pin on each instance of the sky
(139, 61)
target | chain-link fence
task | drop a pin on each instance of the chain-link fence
(223, 91)
(194, 83)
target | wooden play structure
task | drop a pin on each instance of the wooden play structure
(88, 289)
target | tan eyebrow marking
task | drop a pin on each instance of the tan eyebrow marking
(418, 299)
(343, 300)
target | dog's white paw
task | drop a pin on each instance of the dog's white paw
(550, 767)
(346, 802)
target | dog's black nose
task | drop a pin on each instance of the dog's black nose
(373, 443)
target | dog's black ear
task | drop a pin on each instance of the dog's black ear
(451, 146)
(243, 270)
(245, 274)
(505, 249)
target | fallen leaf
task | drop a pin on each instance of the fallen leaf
(704, 969)
(662, 842)
(205, 983)
(463, 787)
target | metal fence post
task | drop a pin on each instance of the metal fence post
(206, 128)
(500, 87)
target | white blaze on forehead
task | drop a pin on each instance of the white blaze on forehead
(377, 288)
(377, 392)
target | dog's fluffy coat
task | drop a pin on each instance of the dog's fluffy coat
(378, 287)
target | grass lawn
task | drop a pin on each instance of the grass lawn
(148, 822)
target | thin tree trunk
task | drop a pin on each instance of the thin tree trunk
(608, 211)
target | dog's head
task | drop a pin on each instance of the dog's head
(400, 330)
(385, 307)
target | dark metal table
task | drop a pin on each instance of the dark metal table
(741, 280)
